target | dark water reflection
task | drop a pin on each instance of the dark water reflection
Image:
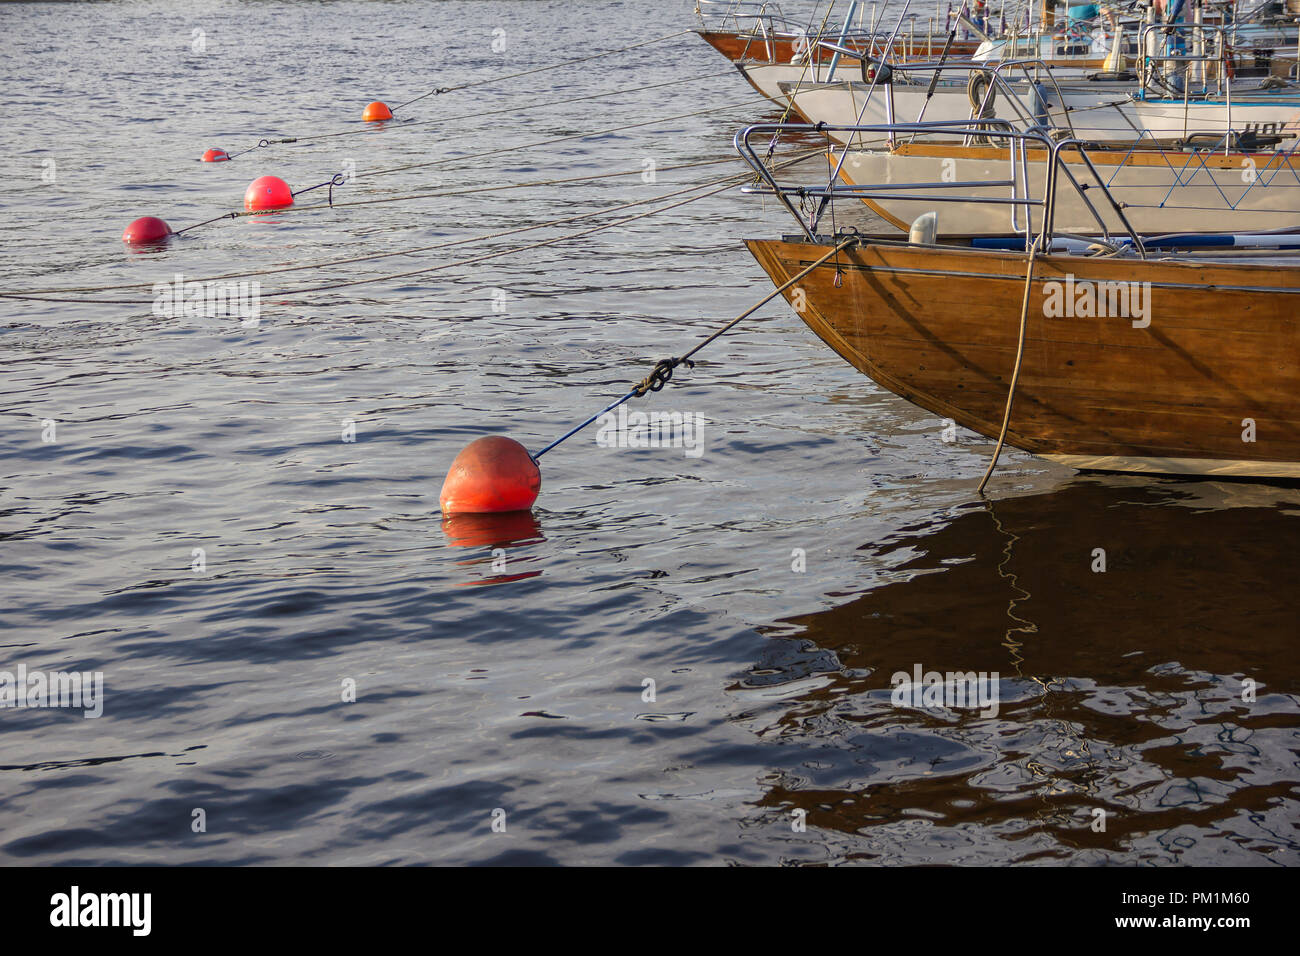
(1121, 690)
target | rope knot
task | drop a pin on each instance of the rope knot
(660, 375)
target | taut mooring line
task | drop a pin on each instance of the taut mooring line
(747, 103)
(540, 69)
(718, 185)
(263, 143)
(662, 373)
(714, 186)
(321, 264)
(338, 179)
(540, 104)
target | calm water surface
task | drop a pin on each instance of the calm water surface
(499, 664)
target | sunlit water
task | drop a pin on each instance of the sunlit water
(825, 538)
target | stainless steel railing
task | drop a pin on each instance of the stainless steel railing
(1019, 142)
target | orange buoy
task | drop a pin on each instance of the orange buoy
(216, 156)
(146, 229)
(491, 474)
(376, 111)
(267, 192)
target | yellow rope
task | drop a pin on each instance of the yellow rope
(1015, 371)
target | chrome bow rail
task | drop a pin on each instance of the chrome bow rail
(1018, 143)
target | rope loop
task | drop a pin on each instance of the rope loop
(206, 222)
(660, 375)
(338, 179)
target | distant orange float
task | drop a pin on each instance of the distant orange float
(216, 156)
(376, 111)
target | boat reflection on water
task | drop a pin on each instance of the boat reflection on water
(513, 529)
(1124, 690)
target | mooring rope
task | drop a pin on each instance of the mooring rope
(662, 372)
(56, 294)
(725, 183)
(1015, 371)
(474, 190)
(542, 104)
(339, 179)
(263, 143)
(541, 69)
(746, 103)
(326, 263)
(238, 214)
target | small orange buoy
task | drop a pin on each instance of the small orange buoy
(216, 156)
(267, 192)
(491, 474)
(146, 229)
(375, 112)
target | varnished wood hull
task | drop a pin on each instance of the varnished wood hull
(1219, 361)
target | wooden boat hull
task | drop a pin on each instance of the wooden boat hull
(1162, 192)
(747, 45)
(1211, 386)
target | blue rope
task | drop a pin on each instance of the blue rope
(569, 434)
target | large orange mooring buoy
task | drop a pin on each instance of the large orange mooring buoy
(146, 229)
(491, 474)
(267, 192)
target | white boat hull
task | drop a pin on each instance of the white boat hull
(1161, 192)
(1104, 113)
